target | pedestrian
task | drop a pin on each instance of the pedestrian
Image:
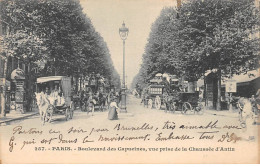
(253, 102)
(143, 96)
(247, 118)
(257, 101)
(91, 104)
(82, 100)
(111, 94)
(101, 101)
(112, 114)
(117, 97)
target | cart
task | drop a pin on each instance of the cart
(64, 85)
(175, 101)
(189, 103)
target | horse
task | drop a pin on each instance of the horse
(45, 107)
(42, 106)
(102, 101)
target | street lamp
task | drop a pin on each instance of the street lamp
(123, 32)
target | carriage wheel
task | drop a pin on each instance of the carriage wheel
(67, 114)
(186, 107)
(157, 102)
(150, 103)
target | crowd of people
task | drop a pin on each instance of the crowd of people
(89, 99)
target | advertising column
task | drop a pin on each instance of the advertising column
(18, 91)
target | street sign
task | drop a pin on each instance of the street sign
(231, 86)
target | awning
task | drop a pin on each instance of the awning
(244, 78)
(50, 78)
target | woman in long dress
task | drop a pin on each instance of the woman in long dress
(112, 114)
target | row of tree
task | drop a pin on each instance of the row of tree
(203, 35)
(57, 31)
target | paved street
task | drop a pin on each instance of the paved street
(137, 114)
(153, 128)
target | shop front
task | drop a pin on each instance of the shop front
(244, 85)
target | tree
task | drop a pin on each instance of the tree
(206, 35)
(56, 31)
(216, 35)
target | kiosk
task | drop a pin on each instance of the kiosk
(17, 90)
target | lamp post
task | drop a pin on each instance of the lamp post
(123, 32)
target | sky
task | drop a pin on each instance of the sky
(107, 17)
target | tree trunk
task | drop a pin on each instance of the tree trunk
(80, 83)
(205, 92)
(219, 91)
(77, 81)
(30, 87)
(4, 90)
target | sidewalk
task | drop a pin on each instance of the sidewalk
(226, 113)
(16, 116)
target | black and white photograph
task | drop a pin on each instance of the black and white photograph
(129, 81)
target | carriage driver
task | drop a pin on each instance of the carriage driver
(55, 94)
(60, 99)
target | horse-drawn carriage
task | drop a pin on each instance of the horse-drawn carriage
(54, 97)
(188, 102)
(94, 96)
(162, 92)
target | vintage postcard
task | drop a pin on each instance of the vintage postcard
(129, 82)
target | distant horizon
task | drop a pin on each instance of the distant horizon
(107, 17)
